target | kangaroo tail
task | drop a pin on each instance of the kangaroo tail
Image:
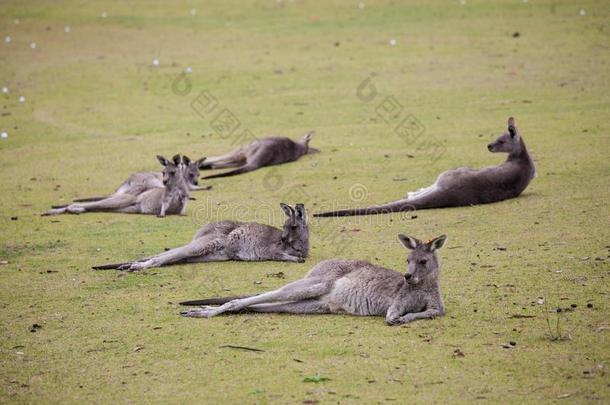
(110, 266)
(216, 300)
(395, 206)
(241, 170)
(90, 199)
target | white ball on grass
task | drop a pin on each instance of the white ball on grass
(392, 42)
(33, 45)
(21, 99)
(4, 135)
(7, 39)
(155, 62)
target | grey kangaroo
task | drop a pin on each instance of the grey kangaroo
(139, 182)
(260, 153)
(228, 240)
(351, 287)
(171, 198)
(465, 186)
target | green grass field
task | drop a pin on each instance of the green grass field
(97, 110)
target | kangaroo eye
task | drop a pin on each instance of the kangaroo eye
(408, 261)
(423, 261)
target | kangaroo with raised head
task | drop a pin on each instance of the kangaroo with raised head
(229, 240)
(262, 152)
(465, 186)
(352, 287)
(139, 182)
(171, 198)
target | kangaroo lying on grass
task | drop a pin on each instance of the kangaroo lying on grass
(260, 153)
(171, 198)
(228, 240)
(351, 286)
(137, 183)
(465, 186)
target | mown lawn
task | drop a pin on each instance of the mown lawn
(96, 109)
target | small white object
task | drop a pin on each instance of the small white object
(583, 12)
(5, 90)
(16, 21)
(188, 70)
(361, 5)
(21, 99)
(7, 39)
(104, 14)
(193, 11)
(4, 135)
(67, 28)
(392, 42)
(155, 62)
(33, 45)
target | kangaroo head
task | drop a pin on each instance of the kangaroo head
(172, 172)
(191, 170)
(295, 234)
(305, 142)
(509, 142)
(422, 262)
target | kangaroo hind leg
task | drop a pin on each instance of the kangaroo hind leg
(299, 290)
(196, 249)
(312, 306)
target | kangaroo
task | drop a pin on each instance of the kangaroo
(262, 152)
(352, 287)
(465, 186)
(229, 240)
(139, 182)
(171, 198)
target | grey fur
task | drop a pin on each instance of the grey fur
(262, 152)
(353, 287)
(465, 186)
(229, 240)
(170, 198)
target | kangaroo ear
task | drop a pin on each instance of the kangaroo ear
(307, 137)
(176, 159)
(511, 127)
(436, 243)
(300, 209)
(288, 210)
(409, 242)
(186, 160)
(162, 160)
(200, 162)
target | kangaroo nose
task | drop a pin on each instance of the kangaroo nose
(408, 276)
(490, 146)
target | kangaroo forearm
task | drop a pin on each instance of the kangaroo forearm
(427, 314)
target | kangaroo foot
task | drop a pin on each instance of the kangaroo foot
(203, 312)
(75, 209)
